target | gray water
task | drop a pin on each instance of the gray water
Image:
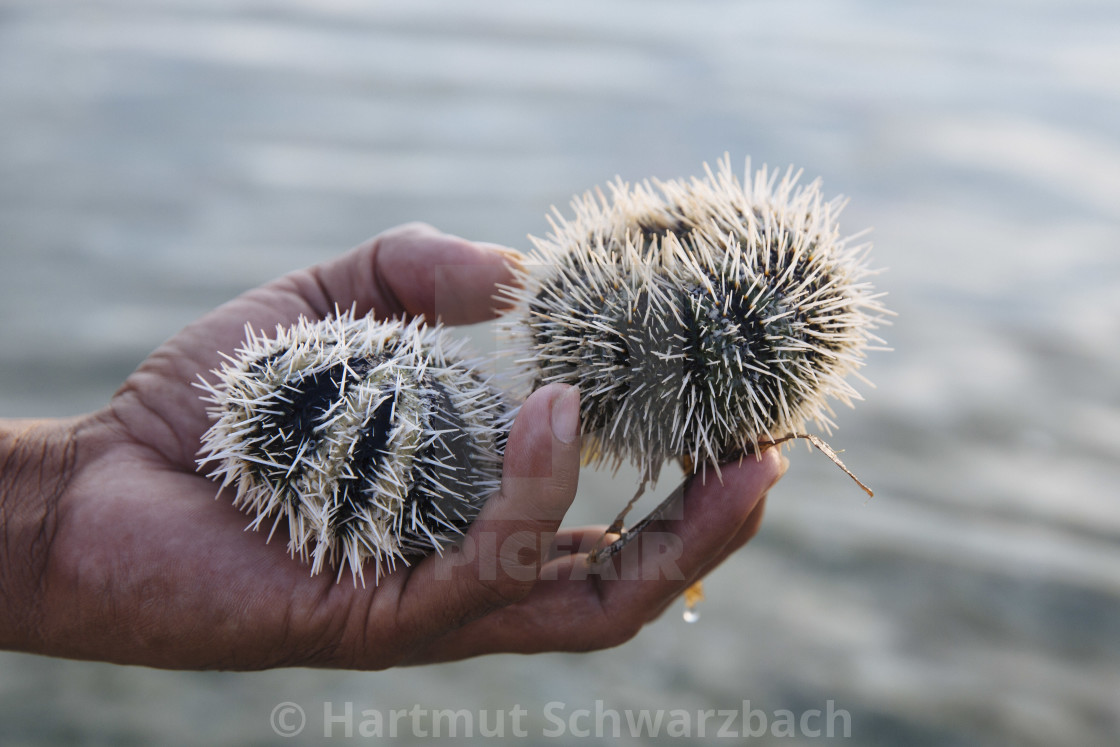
(160, 156)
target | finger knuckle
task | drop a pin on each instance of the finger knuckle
(494, 593)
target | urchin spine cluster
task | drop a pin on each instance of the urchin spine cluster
(370, 440)
(700, 319)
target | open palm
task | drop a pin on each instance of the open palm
(145, 566)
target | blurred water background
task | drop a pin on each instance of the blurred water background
(160, 156)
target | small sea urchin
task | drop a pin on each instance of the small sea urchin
(701, 319)
(370, 440)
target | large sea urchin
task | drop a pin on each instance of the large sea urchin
(701, 319)
(370, 440)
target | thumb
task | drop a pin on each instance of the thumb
(498, 561)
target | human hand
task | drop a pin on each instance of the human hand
(115, 548)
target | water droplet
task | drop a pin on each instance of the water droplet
(690, 615)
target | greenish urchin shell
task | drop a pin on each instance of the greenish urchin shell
(697, 318)
(370, 440)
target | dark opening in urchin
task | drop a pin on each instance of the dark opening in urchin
(287, 420)
(369, 452)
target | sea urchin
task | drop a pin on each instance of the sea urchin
(701, 319)
(370, 440)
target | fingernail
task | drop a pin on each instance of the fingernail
(512, 257)
(565, 415)
(783, 465)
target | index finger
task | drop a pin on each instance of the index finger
(416, 270)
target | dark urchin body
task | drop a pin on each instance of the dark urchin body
(698, 318)
(370, 440)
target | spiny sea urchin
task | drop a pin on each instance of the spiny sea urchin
(371, 440)
(701, 319)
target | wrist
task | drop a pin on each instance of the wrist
(37, 460)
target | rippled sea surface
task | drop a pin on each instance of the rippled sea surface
(159, 157)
